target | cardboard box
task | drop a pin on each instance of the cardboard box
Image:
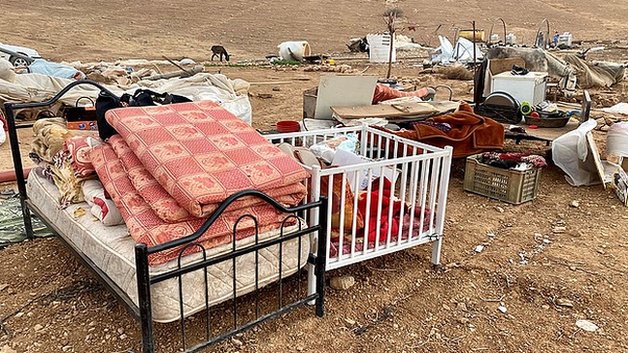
(82, 125)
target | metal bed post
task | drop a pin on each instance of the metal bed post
(19, 169)
(315, 194)
(144, 300)
(321, 258)
(442, 203)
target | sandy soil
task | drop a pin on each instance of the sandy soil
(49, 302)
(86, 30)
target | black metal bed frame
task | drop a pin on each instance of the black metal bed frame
(143, 311)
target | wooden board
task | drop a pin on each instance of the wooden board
(404, 112)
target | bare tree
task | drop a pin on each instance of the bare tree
(392, 18)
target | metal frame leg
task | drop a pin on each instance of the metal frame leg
(144, 300)
(436, 249)
(19, 170)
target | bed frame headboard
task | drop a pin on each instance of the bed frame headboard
(10, 109)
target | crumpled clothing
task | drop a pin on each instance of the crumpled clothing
(512, 160)
(444, 127)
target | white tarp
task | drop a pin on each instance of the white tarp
(462, 52)
(571, 153)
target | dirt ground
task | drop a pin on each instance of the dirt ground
(49, 302)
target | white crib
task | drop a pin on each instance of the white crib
(420, 179)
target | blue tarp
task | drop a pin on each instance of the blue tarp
(44, 67)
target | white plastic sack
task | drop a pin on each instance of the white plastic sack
(295, 50)
(617, 140)
(3, 134)
(570, 152)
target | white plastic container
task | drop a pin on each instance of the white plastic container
(379, 48)
(295, 50)
(524, 88)
(511, 39)
(565, 39)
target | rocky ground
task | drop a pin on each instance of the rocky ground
(513, 279)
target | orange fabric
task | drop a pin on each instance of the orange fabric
(470, 133)
(335, 203)
(384, 93)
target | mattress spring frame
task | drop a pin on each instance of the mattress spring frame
(143, 311)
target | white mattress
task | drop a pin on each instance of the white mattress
(112, 250)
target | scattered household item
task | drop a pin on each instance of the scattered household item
(511, 39)
(393, 111)
(617, 140)
(467, 132)
(294, 50)
(48, 68)
(410, 178)
(141, 275)
(508, 185)
(385, 92)
(572, 153)
(379, 48)
(525, 88)
(480, 35)
(501, 107)
(462, 52)
(619, 108)
(564, 40)
(343, 91)
(547, 119)
(288, 126)
(540, 60)
(620, 184)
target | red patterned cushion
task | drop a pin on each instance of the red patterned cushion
(200, 154)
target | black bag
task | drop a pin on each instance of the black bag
(141, 97)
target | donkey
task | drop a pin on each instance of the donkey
(219, 51)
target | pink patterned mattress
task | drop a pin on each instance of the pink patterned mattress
(171, 166)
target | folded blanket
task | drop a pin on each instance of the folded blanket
(146, 227)
(200, 154)
(468, 133)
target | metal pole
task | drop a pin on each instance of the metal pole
(321, 258)
(19, 169)
(144, 300)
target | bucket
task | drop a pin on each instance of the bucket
(480, 35)
(286, 126)
(379, 48)
(511, 39)
(294, 50)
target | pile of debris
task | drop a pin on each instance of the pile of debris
(344, 69)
